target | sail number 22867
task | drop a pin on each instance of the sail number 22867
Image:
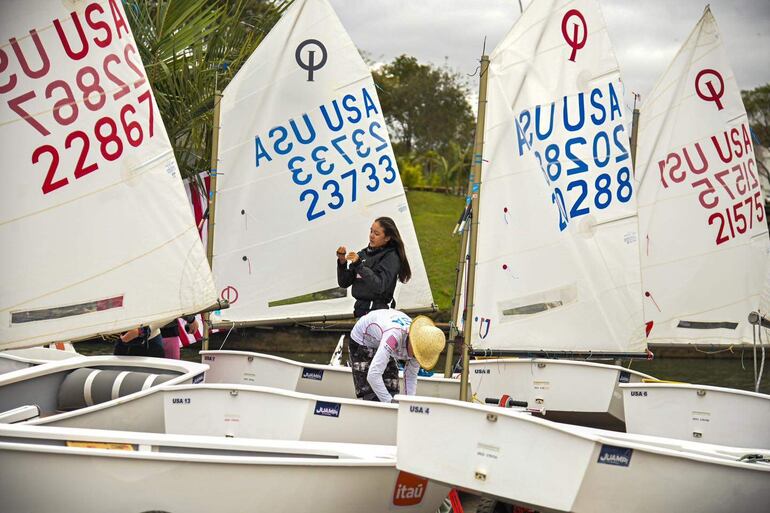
(108, 136)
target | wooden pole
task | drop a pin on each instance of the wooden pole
(212, 204)
(475, 180)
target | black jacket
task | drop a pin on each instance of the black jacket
(373, 278)
(172, 328)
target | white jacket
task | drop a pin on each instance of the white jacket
(387, 331)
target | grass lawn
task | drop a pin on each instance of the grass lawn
(434, 215)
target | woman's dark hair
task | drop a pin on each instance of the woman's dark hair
(389, 227)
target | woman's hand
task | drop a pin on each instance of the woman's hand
(129, 335)
(352, 257)
(341, 254)
(192, 327)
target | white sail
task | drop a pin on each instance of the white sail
(95, 231)
(557, 258)
(305, 165)
(704, 239)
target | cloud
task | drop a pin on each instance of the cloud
(646, 34)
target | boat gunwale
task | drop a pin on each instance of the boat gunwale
(696, 451)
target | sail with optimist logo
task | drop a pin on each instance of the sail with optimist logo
(557, 262)
(93, 217)
(704, 236)
(305, 165)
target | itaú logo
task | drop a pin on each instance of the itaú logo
(409, 489)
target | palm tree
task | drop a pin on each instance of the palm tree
(448, 169)
(457, 164)
(191, 49)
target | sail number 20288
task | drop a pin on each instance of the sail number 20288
(606, 186)
(581, 148)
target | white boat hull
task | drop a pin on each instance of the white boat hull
(243, 411)
(555, 467)
(16, 359)
(248, 368)
(700, 413)
(583, 393)
(47, 387)
(200, 474)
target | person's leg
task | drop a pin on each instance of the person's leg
(122, 349)
(155, 347)
(171, 347)
(390, 377)
(360, 359)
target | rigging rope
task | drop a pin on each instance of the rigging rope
(762, 365)
(228, 334)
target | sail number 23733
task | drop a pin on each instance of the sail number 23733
(334, 153)
(363, 163)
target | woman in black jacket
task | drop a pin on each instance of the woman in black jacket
(373, 271)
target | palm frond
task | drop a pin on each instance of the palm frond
(191, 48)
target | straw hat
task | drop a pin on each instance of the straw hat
(427, 341)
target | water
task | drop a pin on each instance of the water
(732, 373)
(723, 372)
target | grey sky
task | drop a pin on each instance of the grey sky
(646, 34)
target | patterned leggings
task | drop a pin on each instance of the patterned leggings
(360, 358)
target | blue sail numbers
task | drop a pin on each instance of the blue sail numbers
(581, 147)
(333, 154)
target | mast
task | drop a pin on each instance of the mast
(475, 186)
(212, 204)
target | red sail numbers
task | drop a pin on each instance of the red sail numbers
(33, 57)
(722, 174)
(80, 88)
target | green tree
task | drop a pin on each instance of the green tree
(410, 171)
(757, 102)
(425, 107)
(448, 169)
(191, 48)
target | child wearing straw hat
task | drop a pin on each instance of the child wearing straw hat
(381, 337)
